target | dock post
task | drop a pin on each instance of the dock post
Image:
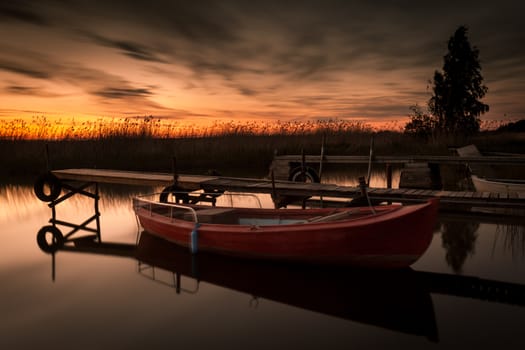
(388, 175)
(364, 193)
(303, 174)
(370, 158)
(174, 170)
(321, 158)
(303, 164)
(97, 213)
(274, 192)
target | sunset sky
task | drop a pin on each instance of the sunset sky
(236, 60)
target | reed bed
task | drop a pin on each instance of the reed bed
(41, 128)
(230, 148)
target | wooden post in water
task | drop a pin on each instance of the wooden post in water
(370, 158)
(174, 170)
(388, 175)
(303, 173)
(364, 193)
(321, 158)
(274, 192)
(321, 165)
(303, 164)
(97, 212)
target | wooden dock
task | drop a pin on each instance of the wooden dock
(417, 171)
(449, 199)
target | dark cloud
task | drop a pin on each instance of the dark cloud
(119, 93)
(204, 21)
(129, 48)
(21, 11)
(218, 37)
(247, 91)
(23, 90)
(29, 90)
(20, 68)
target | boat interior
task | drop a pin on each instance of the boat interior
(246, 216)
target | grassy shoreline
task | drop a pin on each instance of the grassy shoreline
(230, 154)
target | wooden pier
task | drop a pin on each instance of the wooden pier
(419, 171)
(448, 199)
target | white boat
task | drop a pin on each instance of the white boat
(486, 183)
(497, 185)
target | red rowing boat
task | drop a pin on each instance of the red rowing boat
(389, 236)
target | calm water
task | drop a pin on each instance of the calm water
(96, 299)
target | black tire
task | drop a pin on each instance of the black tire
(50, 182)
(309, 175)
(57, 239)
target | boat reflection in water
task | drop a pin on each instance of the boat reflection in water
(393, 299)
(390, 299)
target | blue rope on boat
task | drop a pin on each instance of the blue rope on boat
(194, 238)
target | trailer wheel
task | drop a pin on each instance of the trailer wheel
(50, 239)
(47, 187)
(309, 175)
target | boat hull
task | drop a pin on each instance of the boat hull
(392, 238)
(483, 185)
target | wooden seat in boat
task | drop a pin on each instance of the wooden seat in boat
(217, 216)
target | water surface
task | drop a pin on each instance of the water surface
(95, 299)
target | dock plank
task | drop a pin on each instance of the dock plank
(114, 176)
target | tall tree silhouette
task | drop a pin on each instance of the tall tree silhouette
(455, 105)
(457, 91)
